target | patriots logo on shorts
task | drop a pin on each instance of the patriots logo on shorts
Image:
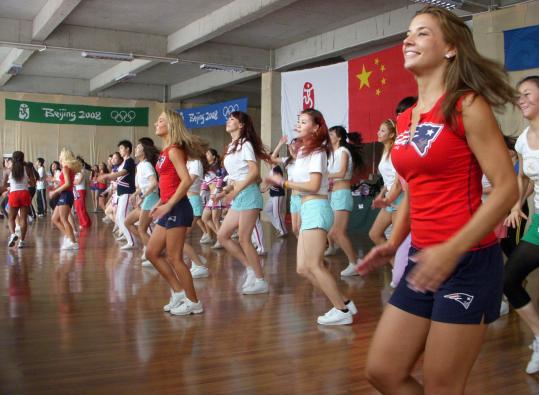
(424, 136)
(462, 298)
(172, 218)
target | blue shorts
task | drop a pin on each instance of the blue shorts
(471, 295)
(196, 204)
(65, 198)
(150, 201)
(341, 199)
(181, 215)
(295, 204)
(249, 198)
(316, 214)
(393, 207)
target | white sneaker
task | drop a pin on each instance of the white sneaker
(199, 271)
(335, 317)
(259, 286)
(72, 246)
(18, 229)
(12, 239)
(146, 263)
(22, 244)
(127, 246)
(504, 308)
(216, 246)
(533, 365)
(205, 239)
(249, 278)
(352, 307)
(121, 238)
(143, 256)
(330, 251)
(260, 251)
(187, 307)
(106, 220)
(284, 234)
(351, 270)
(176, 299)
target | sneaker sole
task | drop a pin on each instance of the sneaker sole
(349, 274)
(12, 242)
(340, 322)
(200, 275)
(255, 292)
(198, 311)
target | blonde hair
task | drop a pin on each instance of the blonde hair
(67, 158)
(178, 135)
(392, 128)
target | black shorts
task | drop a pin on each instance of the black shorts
(471, 295)
(180, 215)
(65, 199)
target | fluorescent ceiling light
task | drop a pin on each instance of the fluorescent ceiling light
(447, 4)
(122, 57)
(221, 67)
(125, 77)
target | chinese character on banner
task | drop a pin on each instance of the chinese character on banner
(376, 84)
(308, 96)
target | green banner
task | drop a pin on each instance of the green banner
(28, 111)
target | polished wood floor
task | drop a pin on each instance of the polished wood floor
(91, 322)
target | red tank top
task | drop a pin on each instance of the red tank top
(168, 177)
(443, 176)
(71, 178)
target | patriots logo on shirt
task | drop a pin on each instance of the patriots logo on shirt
(161, 160)
(461, 297)
(425, 135)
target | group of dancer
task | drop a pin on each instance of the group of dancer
(448, 266)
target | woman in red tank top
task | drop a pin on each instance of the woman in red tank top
(174, 213)
(453, 283)
(60, 215)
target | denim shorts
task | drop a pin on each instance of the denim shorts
(393, 207)
(471, 295)
(295, 204)
(181, 215)
(249, 198)
(66, 198)
(316, 214)
(196, 204)
(341, 199)
(150, 201)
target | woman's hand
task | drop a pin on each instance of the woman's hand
(378, 256)
(283, 140)
(274, 180)
(159, 211)
(380, 202)
(433, 266)
(52, 194)
(513, 219)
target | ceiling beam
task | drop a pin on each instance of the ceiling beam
(220, 21)
(15, 56)
(208, 82)
(108, 78)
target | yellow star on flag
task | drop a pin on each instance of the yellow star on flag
(378, 92)
(364, 77)
(383, 81)
(382, 68)
(376, 61)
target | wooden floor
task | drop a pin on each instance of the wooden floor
(91, 322)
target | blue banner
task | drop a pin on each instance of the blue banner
(212, 115)
(521, 48)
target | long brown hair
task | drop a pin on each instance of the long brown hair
(468, 70)
(319, 140)
(248, 133)
(17, 167)
(178, 135)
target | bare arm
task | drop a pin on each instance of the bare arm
(342, 169)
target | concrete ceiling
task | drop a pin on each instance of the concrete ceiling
(259, 35)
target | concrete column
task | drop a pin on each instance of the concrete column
(270, 117)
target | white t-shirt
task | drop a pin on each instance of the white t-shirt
(334, 163)
(388, 172)
(144, 172)
(40, 184)
(485, 184)
(21, 185)
(82, 184)
(530, 167)
(236, 163)
(195, 168)
(315, 162)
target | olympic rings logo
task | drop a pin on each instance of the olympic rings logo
(123, 116)
(227, 110)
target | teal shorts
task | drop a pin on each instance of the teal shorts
(393, 207)
(196, 203)
(532, 235)
(316, 214)
(341, 199)
(249, 198)
(150, 201)
(295, 204)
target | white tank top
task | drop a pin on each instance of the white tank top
(21, 185)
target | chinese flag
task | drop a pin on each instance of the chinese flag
(376, 84)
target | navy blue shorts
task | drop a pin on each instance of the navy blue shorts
(65, 199)
(180, 215)
(471, 295)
